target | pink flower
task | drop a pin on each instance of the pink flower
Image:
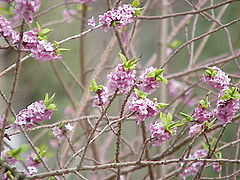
(26, 8)
(159, 134)
(101, 98)
(121, 79)
(195, 130)
(148, 84)
(118, 18)
(216, 166)
(44, 51)
(7, 31)
(34, 113)
(193, 169)
(143, 108)
(201, 114)
(226, 109)
(216, 78)
(91, 22)
(59, 132)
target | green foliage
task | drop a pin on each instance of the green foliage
(168, 123)
(175, 44)
(186, 117)
(135, 3)
(161, 105)
(16, 152)
(158, 74)
(49, 102)
(128, 64)
(140, 93)
(94, 87)
(8, 10)
(42, 33)
(205, 103)
(231, 93)
(210, 72)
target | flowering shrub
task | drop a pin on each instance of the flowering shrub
(124, 111)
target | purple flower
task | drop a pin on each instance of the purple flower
(34, 113)
(195, 130)
(143, 108)
(193, 168)
(7, 31)
(91, 22)
(201, 114)
(31, 170)
(121, 79)
(216, 78)
(159, 134)
(30, 39)
(44, 51)
(34, 161)
(26, 8)
(59, 132)
(216, 166)
(226, 109)
(101, 98)
(148, 84)
(118, 18)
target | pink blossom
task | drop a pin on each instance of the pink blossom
(148, 84)
(91, 22)
(7, 31)
(118, 18)
(195, 130)
(216, 166)
(34, 113)
(121, 79)
(159, 134)
(101, 98)
(143, 108)
(226, 109)
(219, 81)
(193, 168)
(26, 8)
(59, 132)
(201, 114)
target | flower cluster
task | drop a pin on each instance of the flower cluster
(117, 17)
(143, 108)
(7, 1)
(195, 130)
(121, 80)
(201, 114)
(26, 8)
(101, 98)
(60, 131)
(6, 30)
(148, 84)
(226, 109)
(40, 49)
(216, 78)
(34, 113)
(159, 133)
(193, 168)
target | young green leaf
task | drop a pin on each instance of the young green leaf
(135, 3)
(140, 93)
